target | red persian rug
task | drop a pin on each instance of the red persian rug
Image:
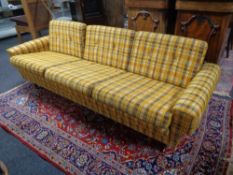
(79, 141)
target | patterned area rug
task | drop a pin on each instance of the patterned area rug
(79, 141)
(225, 89)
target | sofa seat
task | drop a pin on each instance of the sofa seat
(38, 62)
(148, 100)
(81, 75)
(154, 83)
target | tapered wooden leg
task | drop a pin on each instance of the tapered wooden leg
(18, 34)
(39, 34)
(34, 34)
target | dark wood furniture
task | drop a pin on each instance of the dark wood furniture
(230, 39)
(205, 20)
(147, 15)
(114, 12)
(88, 11)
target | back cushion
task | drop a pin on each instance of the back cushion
(167, 58)
(67, 37)
(108, 45)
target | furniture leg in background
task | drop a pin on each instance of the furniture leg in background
(230, 39)
(3, 168)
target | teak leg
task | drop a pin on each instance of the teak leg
(19, 34)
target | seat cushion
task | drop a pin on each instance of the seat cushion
(82, 75)
(38, 62)
(67, 37)
(108, 45)
(167, 58)
(141, 97)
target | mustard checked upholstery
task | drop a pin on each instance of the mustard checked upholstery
(108, 45)
(167, 58)
(156, 84)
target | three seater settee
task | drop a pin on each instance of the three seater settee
(154, 83)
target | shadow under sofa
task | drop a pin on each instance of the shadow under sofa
(154, 83)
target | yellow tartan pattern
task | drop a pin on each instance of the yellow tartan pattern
(108, 45)
(146, 128)
(148, 100)
(157, 106)
(81, 75)
(167, 58)
(37, 45)
(38, 62)
(67, 37)
(193, 101)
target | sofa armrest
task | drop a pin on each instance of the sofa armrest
(36, 45)
(189, 108)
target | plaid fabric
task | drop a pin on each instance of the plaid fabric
(153, 107)
(67, 37)
(108, 45)
(167, 58)
(190, 106)
(37, 45)
(38, 62)
(148, 100)
(82, 75)
(146, 128)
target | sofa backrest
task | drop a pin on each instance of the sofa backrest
(167, 58)
(108, 45)
(67, 37)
